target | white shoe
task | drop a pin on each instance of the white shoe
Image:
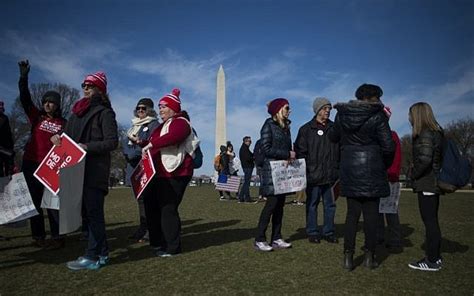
(263, 246)
(280, 244)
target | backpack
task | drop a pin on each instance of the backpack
(217, 162)
(455, 169)
(198, 156)
(258, 154)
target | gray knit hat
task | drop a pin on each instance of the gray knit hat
(319, 103)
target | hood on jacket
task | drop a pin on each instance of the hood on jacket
(355, 113)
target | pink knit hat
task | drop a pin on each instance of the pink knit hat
(172, 100)
(99, 80)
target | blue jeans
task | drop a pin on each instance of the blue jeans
(93, 200)
(313, 197)
(245, 190)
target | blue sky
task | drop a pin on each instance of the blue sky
(415, 50)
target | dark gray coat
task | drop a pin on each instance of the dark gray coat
(276, 145)
(427, 151)
(320, 153)
(97, 128)
(367, 148)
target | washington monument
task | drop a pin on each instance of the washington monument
(220, 110)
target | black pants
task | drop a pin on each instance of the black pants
(36, 191)
(93, 201)
(162, 198)
(273, 210)
(370, 210)
(393, 227)
(428, 205)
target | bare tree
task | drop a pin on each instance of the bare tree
(462, 132)
(68, 95)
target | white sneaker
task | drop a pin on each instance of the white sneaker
(280, 244)
(263, 246)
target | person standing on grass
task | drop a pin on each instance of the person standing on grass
(393, 244)
(361, 128)
(93, 126)
(168, 146)
(143, 124)
(322, 171)
(427, 139)
(246, 158)
(45, 122)
(276, 145)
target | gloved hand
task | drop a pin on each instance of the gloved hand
(24, 68)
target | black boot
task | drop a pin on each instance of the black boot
(348, 260)
(369, 260)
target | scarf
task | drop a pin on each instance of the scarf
(137, 124)
(80, 107)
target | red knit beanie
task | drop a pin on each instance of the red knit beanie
(172, 100)
(99, 80)
(275, 105)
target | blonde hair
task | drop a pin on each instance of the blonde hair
(421, 118)
(280, 119)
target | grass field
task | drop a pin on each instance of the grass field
(218, 257)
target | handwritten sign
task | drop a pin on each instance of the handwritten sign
(142, 175)
(389, 204)
(288, 177)
(66, 155)
(15, 199)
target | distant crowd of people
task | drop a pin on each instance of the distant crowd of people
(357, 154)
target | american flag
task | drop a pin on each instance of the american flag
(232, 184)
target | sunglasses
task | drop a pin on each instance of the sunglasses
(287, 108)
(140, 108)
(87, 86)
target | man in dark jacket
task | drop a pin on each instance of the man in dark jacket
(246, 159)
(322, 165)
(367, 149)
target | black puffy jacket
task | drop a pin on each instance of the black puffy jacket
(276, 145)
(367, 148)
(320, 153)
(427, 151)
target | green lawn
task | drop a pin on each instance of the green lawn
(218, 256)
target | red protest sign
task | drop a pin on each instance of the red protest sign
(68, 154)
(142, 174)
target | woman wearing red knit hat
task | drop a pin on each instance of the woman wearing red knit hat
(276, 145)
(174, 165)
(93, 126)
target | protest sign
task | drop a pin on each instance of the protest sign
(389, 204)
(71, 179)
(288, 177)
(50, 200)
(15, 199)
(68, 154)
(142, 174)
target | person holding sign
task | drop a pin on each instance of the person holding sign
(276, 145)
(143, 124)
(45, 122)
(93, 126)
(361, 128)
(322, 171)
(169, 146)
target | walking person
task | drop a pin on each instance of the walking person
(168, 146)
(393, 243)
(93, 126)
(427, 139)
(143, 124)
(322, 171)
(45, 122)
(361, 128)
(247, 161)
(276, 145)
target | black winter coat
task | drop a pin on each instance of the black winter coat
(427, 155)
(97, 128)
(246, 157)
(320, 153)
(276, 145)
(367, 148)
